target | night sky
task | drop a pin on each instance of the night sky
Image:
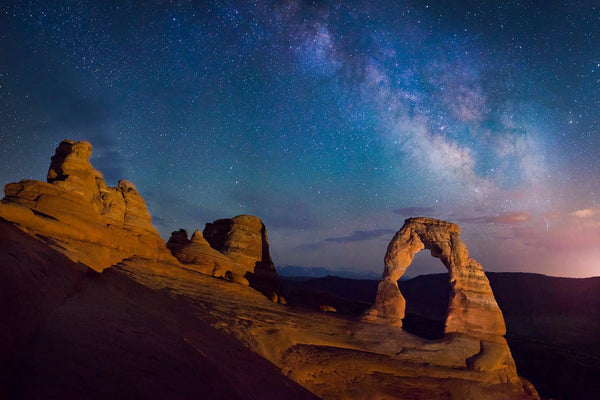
(332, 122)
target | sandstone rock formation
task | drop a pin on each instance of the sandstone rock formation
(337, 357)
(80, 216)
(472, 309)
(197, 254)
(187, 334)
(244, 240)
(70, 333)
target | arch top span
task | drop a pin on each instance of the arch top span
(472, 308)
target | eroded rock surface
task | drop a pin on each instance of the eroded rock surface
(472, 308)
(80, 216)
(70, 333)
(244, 240)
(183, 331)
(197, 254)
(337, 357)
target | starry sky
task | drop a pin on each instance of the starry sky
(331, 121)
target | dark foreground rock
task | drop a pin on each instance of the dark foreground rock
(71, 333)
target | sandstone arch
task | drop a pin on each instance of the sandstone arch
(472, 308)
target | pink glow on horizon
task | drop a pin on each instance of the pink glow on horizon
(563, 244)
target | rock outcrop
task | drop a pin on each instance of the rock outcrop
(244, 240)
(69, 333)
(80, 216)
(472, 308)
(196, 253)
(187, 334)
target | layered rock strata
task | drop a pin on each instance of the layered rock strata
(243, 239)
(80, 216)
(472, 308)
(69, 333)
(168, 316)
(197, 254)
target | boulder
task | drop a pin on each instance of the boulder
(326, 308)
(77, 214)
(243, 239)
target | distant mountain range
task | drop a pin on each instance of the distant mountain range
(321, 272)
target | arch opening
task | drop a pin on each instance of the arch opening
(423, 263)
(427, 293)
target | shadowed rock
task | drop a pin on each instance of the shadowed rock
(244, 240)
(70, 333)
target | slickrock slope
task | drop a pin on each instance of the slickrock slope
(473, 315)
(71, 333)
(244, 240)
(334, 356)
(553, 335)
(80, 216)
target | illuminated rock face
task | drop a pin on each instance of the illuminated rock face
(472, 309)
(52, 300)
(197, 254)
(80, 216)
(243, 239)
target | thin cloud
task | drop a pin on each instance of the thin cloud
(413, 210)
(566, 236)
(506, 219)
(361, 236)
(564, 231)
(356, 236)
(310, 246)
(512, 218)
(586, 213)
(580, 214)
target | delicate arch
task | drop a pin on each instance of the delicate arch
(472, 308)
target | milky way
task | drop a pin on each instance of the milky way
(330, 121)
